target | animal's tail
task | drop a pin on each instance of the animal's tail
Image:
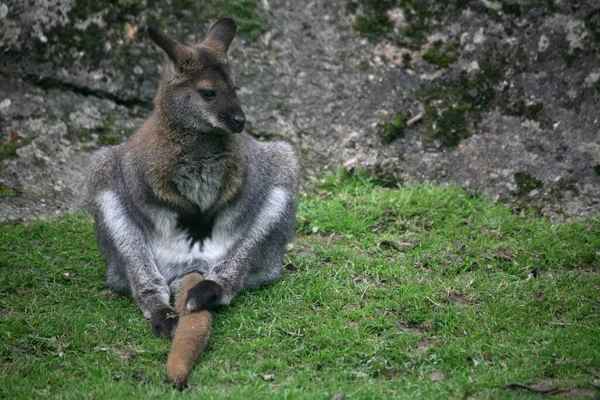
(191, 335)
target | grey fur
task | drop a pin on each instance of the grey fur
(184, 158)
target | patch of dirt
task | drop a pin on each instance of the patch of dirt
(415, 327)
(457, 298)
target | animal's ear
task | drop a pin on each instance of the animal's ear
(221, 34)
(181, 55)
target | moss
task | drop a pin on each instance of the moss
(526, 183)
(373, 26)
(528, 111)
(244, 12)
(421, 17)
(534, 112)
(511, 9)
(451, 127)
(282, 106)
(570, 58)
(352, 7)
(438, 58)
(109, 139)
(567, 185)
(69, 44)
(451, 101)
(394, 129)
(6, 191)
(455, 103)
(592, 23)
(550, 6)
(597, 169)
(78, 135)
(9, 150)
(406, 60)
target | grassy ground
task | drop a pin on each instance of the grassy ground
(423, 292)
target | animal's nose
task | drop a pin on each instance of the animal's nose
(237, 122)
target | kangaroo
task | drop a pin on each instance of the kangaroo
(189, 192)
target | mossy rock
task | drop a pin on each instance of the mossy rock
(9, 150)
(436, 57)
(449, 127)
(372, 19)
(78, 135)
(395, 129)
(526, 183)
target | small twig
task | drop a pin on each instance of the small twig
(437, 304)
(414, 119)
(571, 324)
(535, 390)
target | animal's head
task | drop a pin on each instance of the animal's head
(197, 91)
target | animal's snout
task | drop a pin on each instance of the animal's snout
(237, 122)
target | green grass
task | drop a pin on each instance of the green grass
(391, 286)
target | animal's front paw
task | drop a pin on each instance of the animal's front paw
(164, 321)
(206, 295)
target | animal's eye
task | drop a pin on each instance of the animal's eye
(208, 94)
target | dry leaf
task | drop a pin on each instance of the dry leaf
(349, 164)
(339, 395)
(14, 136)
(268, 377)
(130, 31)
(437, 376)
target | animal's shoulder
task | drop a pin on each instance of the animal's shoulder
(277, 159)
(103, 169)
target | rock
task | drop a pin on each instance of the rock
(508, 98)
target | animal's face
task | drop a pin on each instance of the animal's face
(200, 93)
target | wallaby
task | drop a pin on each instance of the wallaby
(189, 192)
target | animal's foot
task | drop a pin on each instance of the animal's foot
(206, 295)
(163, 322)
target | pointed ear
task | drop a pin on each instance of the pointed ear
(221, 34)
(180, 54)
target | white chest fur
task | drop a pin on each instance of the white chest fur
(173, 248)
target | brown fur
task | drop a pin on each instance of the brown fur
(158, 145)
(191, 335)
